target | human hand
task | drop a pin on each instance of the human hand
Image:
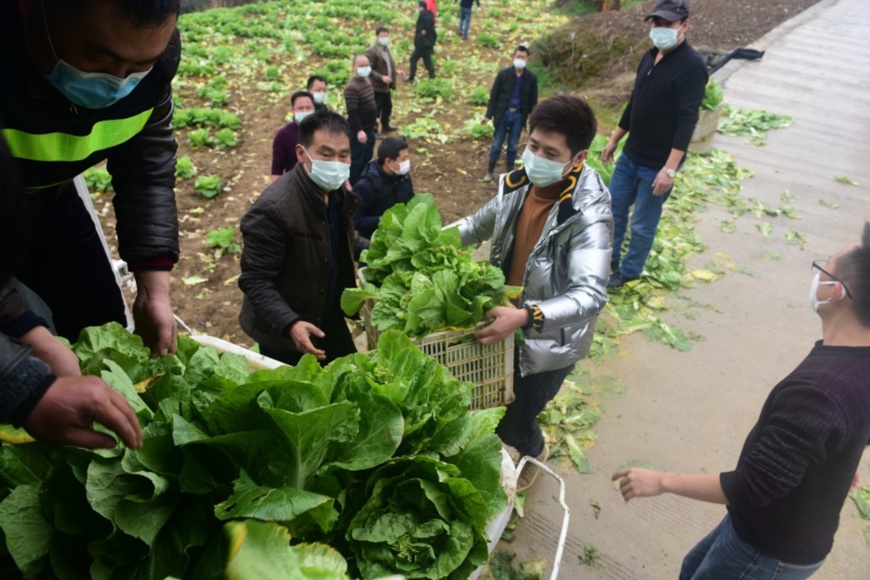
(387, 79)
(856, 481)
(400, 72)
(67, 411)
(662, 183)
(152, 313)
(301, 333)
(423, 32)
(505, 321)
(51, 351)
(637, 482)
(484, 121)
(607, 152)
(362, 137)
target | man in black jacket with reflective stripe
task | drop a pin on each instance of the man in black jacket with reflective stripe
(86, 82)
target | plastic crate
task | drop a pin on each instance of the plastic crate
(708, 122)
(490, 368)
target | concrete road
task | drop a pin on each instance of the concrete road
(692, 411)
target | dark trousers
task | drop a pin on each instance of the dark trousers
(510, 126)
(337, 343)
(519, 426)
(384, 101)
(360, 154)
(69, 270)
(426, 55)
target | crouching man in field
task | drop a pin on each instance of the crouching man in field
(298, 255)
(552, 232)
(799, 461)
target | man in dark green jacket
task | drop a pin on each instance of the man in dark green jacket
(85, 82)
(298, 252)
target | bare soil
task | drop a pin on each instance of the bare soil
(451, 171)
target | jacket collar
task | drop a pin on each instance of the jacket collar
(517, 179)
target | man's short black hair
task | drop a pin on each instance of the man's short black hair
(853, 268)
(300, 94)
(522, 48)
(422, 3)
(390, 148)
(381, 29)
(328, 121)
(313, 79)
(142, 13)
(567, 115)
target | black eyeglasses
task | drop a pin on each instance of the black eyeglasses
(817, 265)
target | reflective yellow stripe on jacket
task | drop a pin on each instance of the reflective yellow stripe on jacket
(65, 147)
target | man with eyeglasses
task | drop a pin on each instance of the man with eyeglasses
(801, 458)
(659, 120)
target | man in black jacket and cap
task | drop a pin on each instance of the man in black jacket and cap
(513, 96)
(424, 41)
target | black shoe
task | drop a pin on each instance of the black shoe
(390, 129)
(617, 280)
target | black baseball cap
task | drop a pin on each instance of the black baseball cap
(670, 10)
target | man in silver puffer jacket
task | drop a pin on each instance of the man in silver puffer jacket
(551, 228)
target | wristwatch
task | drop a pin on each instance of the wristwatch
(671, 172)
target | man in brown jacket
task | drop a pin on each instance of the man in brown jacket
(362, 115)
(298, 253)
(383, 76)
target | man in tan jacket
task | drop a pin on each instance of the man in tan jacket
(383, 76)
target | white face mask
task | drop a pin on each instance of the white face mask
(328, 175)
(519, 63)
(404, 167)
(298, 117)
(384, 40)
(814, 289)
(364, 71)
(543, 172)
(664, 38)
(320, 97)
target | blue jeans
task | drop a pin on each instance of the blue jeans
(464, 21)
(632, 184)
(510, 125)
(724, 556)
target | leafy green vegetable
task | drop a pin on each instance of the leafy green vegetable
(419, 277)
(208, 186)
(845, 179)
(737, 122)
(713, 96)
(295, 446)
(593, 160)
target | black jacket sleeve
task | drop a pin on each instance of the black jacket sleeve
(263, 257)
(23, 381)
(143, 175)
(367, 218)
(494, 96)
(688, 103)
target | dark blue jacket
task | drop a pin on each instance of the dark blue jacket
(378, 192)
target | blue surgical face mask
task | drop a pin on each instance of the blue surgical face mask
(664, 38)
(89, 90)
(364, 71)
(543, 172)
(327, 175)
(300, 116)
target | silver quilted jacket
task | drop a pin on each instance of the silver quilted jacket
(568, 269)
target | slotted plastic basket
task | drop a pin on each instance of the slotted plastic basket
(490, 368)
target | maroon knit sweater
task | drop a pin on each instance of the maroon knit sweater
(798, 462)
